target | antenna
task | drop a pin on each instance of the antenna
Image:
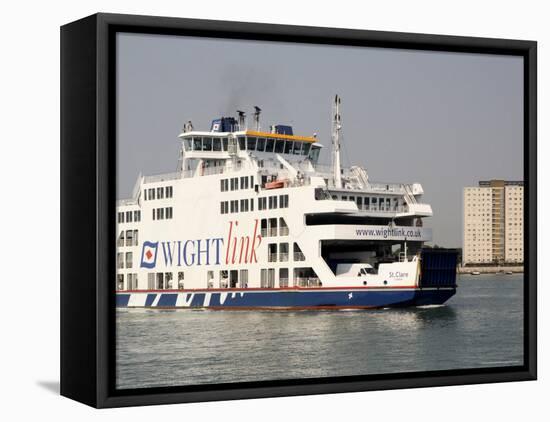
(242, 119)
(336, 127)
(257, 112)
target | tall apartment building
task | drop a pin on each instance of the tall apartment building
(493, 223)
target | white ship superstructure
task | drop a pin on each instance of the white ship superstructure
(249, 210)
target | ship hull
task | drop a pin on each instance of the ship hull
(321, 298)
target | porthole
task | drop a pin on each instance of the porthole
(385, 282)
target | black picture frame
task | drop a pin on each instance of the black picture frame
(88, 204)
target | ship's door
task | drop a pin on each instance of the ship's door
(233, 278)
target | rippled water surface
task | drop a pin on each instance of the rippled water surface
(481, 326)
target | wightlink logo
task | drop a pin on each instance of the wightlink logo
(235, 248)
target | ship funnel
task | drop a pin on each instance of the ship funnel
(242, 119)
(257, 111)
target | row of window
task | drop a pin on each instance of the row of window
(124, 260)
(158, 193)
(236, 183)
(278, 146)
(373, 203)
(128, 238)
(303, 277)
(236, 205)
(279, 252)
(270, 202)
(129, 216)
(268, 227)
(163, 213)
(131, 281)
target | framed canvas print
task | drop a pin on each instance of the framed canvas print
(253, 210)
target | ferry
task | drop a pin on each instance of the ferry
(251, 220)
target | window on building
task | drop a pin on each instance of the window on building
(120, 281)
(283, 252)
(298, 254)
(128, 259)
(272, 225)
(272, 252)
(283, 277)
(120, 240)
(283, 228)
(129, 238)
(169, 191)
(243, 279)
(233, 278)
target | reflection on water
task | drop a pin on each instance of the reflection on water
(481, 326)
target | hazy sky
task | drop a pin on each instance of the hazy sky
(445, 120)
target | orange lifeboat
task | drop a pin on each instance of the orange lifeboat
(276, 184)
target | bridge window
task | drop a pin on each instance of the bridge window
(297, 148)
(207, 144)
(306, 148)
(251, 144)
(360, 202)
(279, 146)
(197, 144)
(261, 144)
(224, 144)
(242, 145)
(288, 147)
(314, 154)
(217, 144)
(269, 144)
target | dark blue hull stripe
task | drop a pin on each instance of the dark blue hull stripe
(286, 299)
